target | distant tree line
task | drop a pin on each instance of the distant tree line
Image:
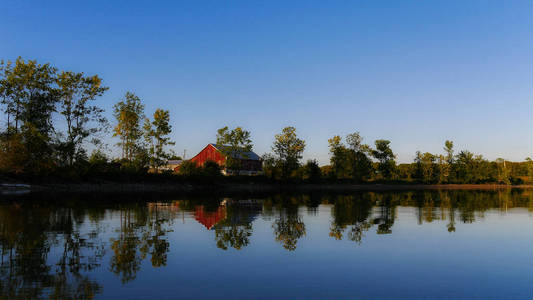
(51, 125)
(360, 163)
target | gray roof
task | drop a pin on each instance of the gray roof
(242, 155)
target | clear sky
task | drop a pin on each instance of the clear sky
(413, 72)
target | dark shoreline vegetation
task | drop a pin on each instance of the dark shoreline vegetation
(49, 125)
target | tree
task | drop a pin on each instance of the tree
(504, 175)
(360, 163)
(425, 167)
(288, 148)
(156, 135)
(129, 112)
(211, 169)
(448, 147)
(28, 94)
(189, 168)
(383, 153)
(311, 171)
(271, 166)
(472, 168)
(235, 145)
(355, 142)
(6, 91)
(529, 165)
(30, 98)
(76, 90)
(339, 157)
(350, 161)
(448, 168)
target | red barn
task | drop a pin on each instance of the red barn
(250, 162)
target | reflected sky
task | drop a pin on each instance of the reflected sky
(430, 244)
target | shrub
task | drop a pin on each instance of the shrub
(211, 169)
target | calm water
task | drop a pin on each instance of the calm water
(460, 244)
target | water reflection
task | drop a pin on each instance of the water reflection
(28, 233)
(53, 248)
(142, 232)
(234, 228)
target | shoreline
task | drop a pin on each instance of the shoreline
(240, 187)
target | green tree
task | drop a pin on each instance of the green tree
(448, 147)
(128, 113)
(82, 119)
(156, 135)
(426, 169)
(360, 163)
(386, 163)
(504, 174)
(271, 167)
(529, 164)
(339, 157)
(211, 169)
(7, 91)
(189, 168)
(449, 168)
(472, 168)
(288, 148)
(311, 171)
(29, 97)
(235, 145)
(28, 94)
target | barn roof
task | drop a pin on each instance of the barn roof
(245, 155)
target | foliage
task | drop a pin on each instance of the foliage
(75, 92)
(189, 168)
(271, 168)
(211, 169)
(156, 136)
(288, 149)
(29, 97)
(386, 163)
(311, 171)
(234, 145)
(128, 113)
(352, 161)
(289, 228)
(50, 117)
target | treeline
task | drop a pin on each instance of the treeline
(50, 121)
(360, 163)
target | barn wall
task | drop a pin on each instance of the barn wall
(209, 153)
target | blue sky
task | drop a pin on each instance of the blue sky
(413, 72)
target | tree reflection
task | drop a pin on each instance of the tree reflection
(288, 226)
(386, 212)
(28, 233)
(142, 231)
(235, 236)
(351, 212)
(235, 230)
(50, 250)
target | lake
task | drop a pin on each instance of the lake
(366, 245)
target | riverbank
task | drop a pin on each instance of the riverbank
(238, 187)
